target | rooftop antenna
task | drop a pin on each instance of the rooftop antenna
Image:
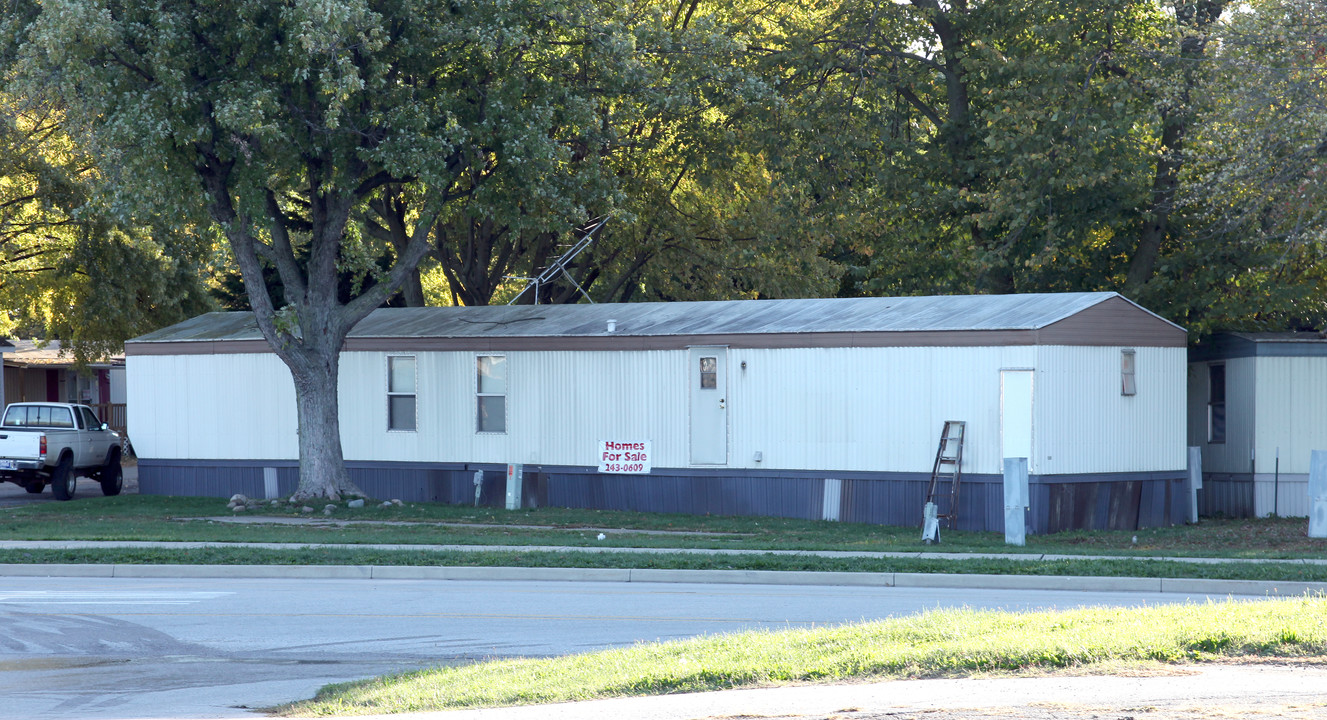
(559, 266)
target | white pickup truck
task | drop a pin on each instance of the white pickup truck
(55, 443)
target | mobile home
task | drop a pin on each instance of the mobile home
(814, 408)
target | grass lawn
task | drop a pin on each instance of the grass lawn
(933, 644)
(143, 517)
(169, 519)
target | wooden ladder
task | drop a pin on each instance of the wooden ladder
(947, 471)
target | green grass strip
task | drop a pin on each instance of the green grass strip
(242, 555)
(938, 643)
(149, 517)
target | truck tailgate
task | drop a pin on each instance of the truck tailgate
(18, 445)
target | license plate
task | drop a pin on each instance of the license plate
(8, 465)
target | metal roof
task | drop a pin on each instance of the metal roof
(1285, 336)
(34, 353)
(820, 315)
(1231, 345)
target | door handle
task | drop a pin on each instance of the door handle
(721, 405)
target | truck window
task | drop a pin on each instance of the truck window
(89, 418)
(39, 416)
(61, 418)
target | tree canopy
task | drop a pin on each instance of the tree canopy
(285, 122)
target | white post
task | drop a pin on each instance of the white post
(270, 488)
(930, 524)
(515, 474)
(1195, 481)
(1015, 500)
(1318, 494)
(831, 498)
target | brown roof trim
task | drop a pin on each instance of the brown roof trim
(1115, 321)
(203, 347)
(1093, 336)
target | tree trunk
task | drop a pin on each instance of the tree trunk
(412, 290)
(1194, 20)
(1156, 222)
(322, 471)
(962, 142)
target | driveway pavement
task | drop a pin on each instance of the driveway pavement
(12, 495)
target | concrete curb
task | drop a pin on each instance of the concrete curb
(1035, 582)
(735, 577)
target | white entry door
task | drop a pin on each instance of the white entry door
(707, 375)
(1016, 414)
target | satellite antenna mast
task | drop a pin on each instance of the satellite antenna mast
(559, 266)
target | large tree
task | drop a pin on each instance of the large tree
(976, 146)
(284, 120)
(695, 213)
(1254, 187)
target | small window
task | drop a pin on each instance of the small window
(401, 393)
(1127, 382)
(57, 417)
(1216, 403)
(709, 375)
(491, 394)
(90, 421)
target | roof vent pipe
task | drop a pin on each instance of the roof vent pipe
(612, 326)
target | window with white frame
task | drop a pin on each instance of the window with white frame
(401, 400)
(491, 394)
(1128, 385)
(1216, 403)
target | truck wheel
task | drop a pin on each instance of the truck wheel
(63, 480)
(112, 478)
(34, 486)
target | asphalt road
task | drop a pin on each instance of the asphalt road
(121, 648)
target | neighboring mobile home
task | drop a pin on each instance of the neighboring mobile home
(44, 372)
(1256, 408)
(820, 408)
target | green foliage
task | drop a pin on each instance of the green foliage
(695, 214)
(990, 147)
(1255, 189)
(68, 270)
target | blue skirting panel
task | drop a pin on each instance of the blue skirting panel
(1229, 494)
(1109, 501)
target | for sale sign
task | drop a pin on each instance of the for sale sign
(630, 456)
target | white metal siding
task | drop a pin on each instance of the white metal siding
(854, 409)
(870, 409)
(211, 407)
(559, 406)
(1084, 424)
(1287, 496)
(1291, 413)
